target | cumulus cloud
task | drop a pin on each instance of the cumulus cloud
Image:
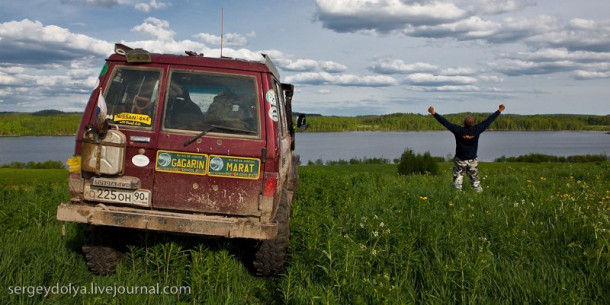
(397, 66)
(495, 7)
(156, 28)
(578, 34)
(229, 39)
(384, 15)
(33, 42)
(148, 6)
(427, 79)
(138, 5)
(306, 65)
(325, 78)
(584, 64)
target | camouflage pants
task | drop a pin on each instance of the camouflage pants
(471, 169)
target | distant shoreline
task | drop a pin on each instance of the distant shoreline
(57, 123)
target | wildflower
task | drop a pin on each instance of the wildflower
(542, 179)
(387, 230)
(382, 224)
(375, 233)
(571, 177)
(529, 181)
(374, 252)
(451, 203)
(516, 204)
(362, 225)
(423, 197)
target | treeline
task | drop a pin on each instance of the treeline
(51, 164)
(37, 124)
(420, 122)
(543, 158)
(57, 123)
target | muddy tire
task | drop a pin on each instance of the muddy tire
(270, 255)
(102, 248)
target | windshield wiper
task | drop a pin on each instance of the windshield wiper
(212, 127)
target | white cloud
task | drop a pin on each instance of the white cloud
(148, 6)
(156, 28)
(584, 75)
(325, 78)
(383, 15)
(332, 67)
(397, 66)
(28, 40)
(427, 79)
(228, 39)
(494, 7)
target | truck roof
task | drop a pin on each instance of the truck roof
(202, 61)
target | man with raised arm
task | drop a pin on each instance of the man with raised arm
(466, 146)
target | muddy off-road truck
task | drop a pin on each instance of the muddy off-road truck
(184, 144)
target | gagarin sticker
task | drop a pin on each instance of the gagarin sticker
(273, 114)
(270, 97)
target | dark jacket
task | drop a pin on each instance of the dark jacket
(466, 139)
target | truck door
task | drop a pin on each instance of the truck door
(132, 97)
(210, 144)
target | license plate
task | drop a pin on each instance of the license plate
(103, 194)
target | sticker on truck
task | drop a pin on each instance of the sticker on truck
(234, 167)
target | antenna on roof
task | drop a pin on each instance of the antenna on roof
(222, 17)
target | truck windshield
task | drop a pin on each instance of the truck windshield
(198, 101)
(132, 96)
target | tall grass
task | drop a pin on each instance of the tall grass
(361, 234)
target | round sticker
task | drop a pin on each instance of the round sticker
(270, 96)
(140, 160)
(273, 114)
(216, 164)
(164, 159)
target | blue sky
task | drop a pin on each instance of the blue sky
(345, 57)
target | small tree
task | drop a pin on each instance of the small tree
(410, 163)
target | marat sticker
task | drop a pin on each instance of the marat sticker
(270, 96)
(234, 167)
(273, 114)
(133, 119)
(181, 163)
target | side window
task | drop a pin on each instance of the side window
(198, 101)
(132, 95)
(281, 108)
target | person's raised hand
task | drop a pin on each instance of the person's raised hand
(501, 108)
(431, 110)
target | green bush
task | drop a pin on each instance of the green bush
(410, 163)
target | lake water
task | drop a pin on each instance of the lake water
(347, 145)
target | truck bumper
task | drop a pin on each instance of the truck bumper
(126, 217)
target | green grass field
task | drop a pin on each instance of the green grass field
(361, 234)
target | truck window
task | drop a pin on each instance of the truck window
(132, 96)
(198, 101)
